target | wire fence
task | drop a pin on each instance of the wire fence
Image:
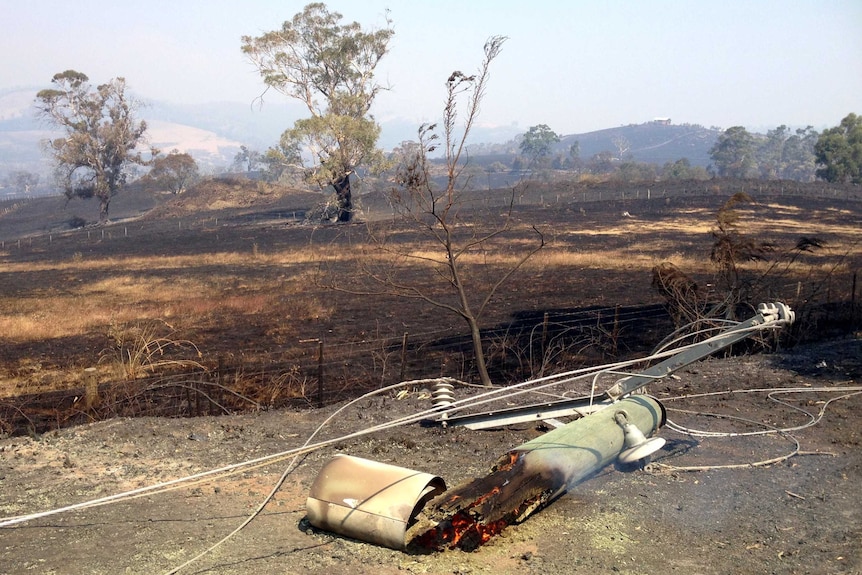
(315, 372)
(652, 195)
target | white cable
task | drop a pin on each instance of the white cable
(813, 420)
(459, 405)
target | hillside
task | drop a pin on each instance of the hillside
(236, 295)
(651, 142)
(214, 132)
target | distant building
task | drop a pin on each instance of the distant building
(661, 121)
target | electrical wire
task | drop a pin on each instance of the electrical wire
(496, 394)
(848, 391)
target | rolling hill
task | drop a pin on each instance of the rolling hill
(214, 132)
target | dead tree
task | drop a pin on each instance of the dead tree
(679, 291)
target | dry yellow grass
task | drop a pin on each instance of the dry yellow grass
(137, 287)
(274, 288)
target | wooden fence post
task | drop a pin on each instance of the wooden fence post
(91, 388)
(404, 356)
(545, 336)
(320, 373)
(218, 392)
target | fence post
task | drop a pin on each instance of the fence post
(545, 336)
(404, 356)
(91, 388)
(218, 392)
(320, 373)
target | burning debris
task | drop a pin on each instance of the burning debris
(533, 475)
(406, 509)
(468, 517)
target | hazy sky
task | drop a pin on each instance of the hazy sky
(574, 65)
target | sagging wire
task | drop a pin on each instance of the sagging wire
(785, 432)
(506, 393)
(496, 394)
(456, 406)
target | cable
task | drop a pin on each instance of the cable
(784, 432)
(529, 386)
(457, 406)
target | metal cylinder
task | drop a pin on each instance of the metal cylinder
(369, 500)
(577, 450)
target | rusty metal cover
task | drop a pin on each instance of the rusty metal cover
(367, 500)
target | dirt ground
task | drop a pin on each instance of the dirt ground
(801, 515)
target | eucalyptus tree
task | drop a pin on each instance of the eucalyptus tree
(839, 152)
(174, 172)
(329, 67)
(798, 161)
(734, 153)
(538, 143)
(100, 136)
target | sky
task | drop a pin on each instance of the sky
(574, 65)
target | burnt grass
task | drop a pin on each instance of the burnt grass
(540, 322)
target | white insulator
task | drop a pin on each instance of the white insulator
(443, 394)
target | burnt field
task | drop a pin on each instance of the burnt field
(203, 331)
(220, 300)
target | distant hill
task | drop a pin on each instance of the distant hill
(214, 132)
(653, 142)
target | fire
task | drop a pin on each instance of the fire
(507, 461)
(481, 509)
(490, 494)
(462, 531)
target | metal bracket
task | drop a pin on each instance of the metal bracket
(771, 313)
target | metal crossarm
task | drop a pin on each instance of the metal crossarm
(769, 315)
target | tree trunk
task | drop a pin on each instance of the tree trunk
(479, 352)
(103, 210)
(344, 198)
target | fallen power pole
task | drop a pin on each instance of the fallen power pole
(611, 426)
(531, 476)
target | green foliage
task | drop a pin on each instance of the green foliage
(537, 143)
(839, 152)
(635, 172)
(100, 136)
(174, 172)
(770, 152)
(329, 67)
(602, 163)
(797, 155)
(282, 159)
(683, 170)
(734, 153)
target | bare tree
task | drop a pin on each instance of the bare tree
(453, 258)
(621, 143)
